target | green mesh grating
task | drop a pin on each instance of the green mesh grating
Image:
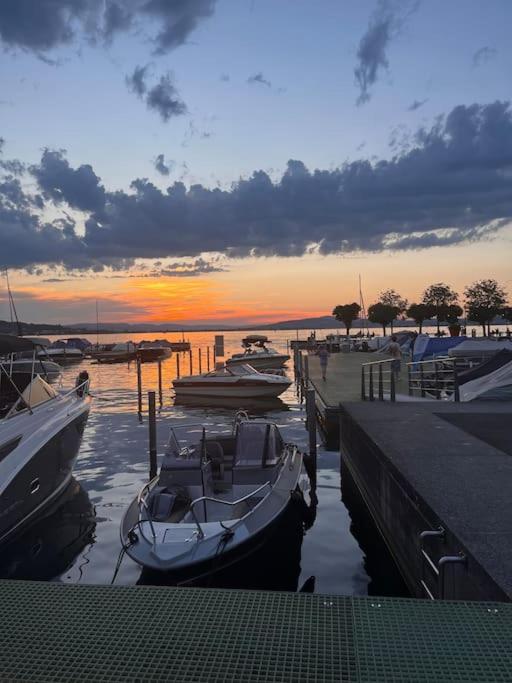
(52, 632)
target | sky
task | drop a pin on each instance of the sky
(244, 161)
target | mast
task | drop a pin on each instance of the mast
(361, 303)
(97, 326)
(12, 307)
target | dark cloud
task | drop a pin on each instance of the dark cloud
(483, 55)
(163, 167)
(164, 99)
(385, 23)
(136, 82)
(13, 166)
(453, 184)
(41, 25)
(416, 105)
(80, 188)
(258, 78)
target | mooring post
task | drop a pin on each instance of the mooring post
(190, 360)
(208, 358)
(214, 357)
(306, 370)
(178, 365)
(160, 395)
(139, 387)
(311, 427)
(381, 388)
(200, 361)
(152, 434)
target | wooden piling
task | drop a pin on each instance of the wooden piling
(160, 393)
(152, 434)
(190, 360)
(200, 360)
(208, 358)
(178, 365)
(139, 387)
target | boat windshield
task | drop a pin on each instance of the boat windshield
(185, 440)
(233, 370)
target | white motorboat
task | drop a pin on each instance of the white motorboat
(258, 354)
(61, 354)
(154, 350)
(22, 370)
(40, 434)
(214, 495)
(232, 381)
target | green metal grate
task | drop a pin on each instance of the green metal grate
(53, 632)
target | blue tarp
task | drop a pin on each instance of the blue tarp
(426, 347)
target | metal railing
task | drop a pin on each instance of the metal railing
(435, 378)
(222, 502)
(381, 378)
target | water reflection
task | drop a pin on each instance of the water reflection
(385, 578)
(256, 406)
(270, 562)
(47, 548)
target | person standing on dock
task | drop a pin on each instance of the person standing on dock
(395, 352)
(323, 354)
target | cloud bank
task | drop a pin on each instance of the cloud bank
(42, 25)
(452, 184)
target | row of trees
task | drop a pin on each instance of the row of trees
(483, 301)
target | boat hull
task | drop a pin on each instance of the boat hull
(39, 466)
(230, 390)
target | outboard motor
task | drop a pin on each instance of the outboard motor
(82, 388)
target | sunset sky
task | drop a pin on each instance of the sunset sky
(244, 161)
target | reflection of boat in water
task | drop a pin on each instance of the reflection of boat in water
(40, 434)
(258, 354)
(49, 546)
(238, 381)
(213, 495)
(255, 405)
(271, 561)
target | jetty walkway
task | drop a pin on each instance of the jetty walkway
(56, 633)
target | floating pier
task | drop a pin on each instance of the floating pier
(58, 632)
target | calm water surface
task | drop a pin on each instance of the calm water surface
(78, 540)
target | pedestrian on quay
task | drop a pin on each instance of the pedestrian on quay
(323, 354)
(395, 352)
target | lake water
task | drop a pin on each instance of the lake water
(78, 540)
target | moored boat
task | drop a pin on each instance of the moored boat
(232, 381)
(258, 354)
(40, 434)
(215, 493)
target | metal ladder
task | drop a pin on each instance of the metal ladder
(437, 571)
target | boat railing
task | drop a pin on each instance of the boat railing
(81, 390)
(434, 377)
(206, 499)
(377, 378)
(143, 505)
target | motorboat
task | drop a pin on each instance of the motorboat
(61, 352)
(489, 379)
(40, 434)
(149, 351)
(214, 494)
(22, 370)
(479, 349)
(237, 380)
(123, 352)
(258, 354)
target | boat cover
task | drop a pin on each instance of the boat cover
(11, 344)
(497, 361)
(496, 379)
(38, 391)
(481, 347)
(428, 347)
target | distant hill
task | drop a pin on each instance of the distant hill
(323, 322)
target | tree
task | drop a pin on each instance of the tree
(346, 314)
(484, 300)
(420, 312)
(507, 313)
(390, 297)
(440, 296)
(382, 314)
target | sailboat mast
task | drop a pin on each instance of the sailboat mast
(97, 326)
(12, 307)
(361, 303)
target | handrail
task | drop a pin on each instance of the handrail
(377, 362)
(222, 502)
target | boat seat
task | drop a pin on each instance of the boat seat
(168, 506)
